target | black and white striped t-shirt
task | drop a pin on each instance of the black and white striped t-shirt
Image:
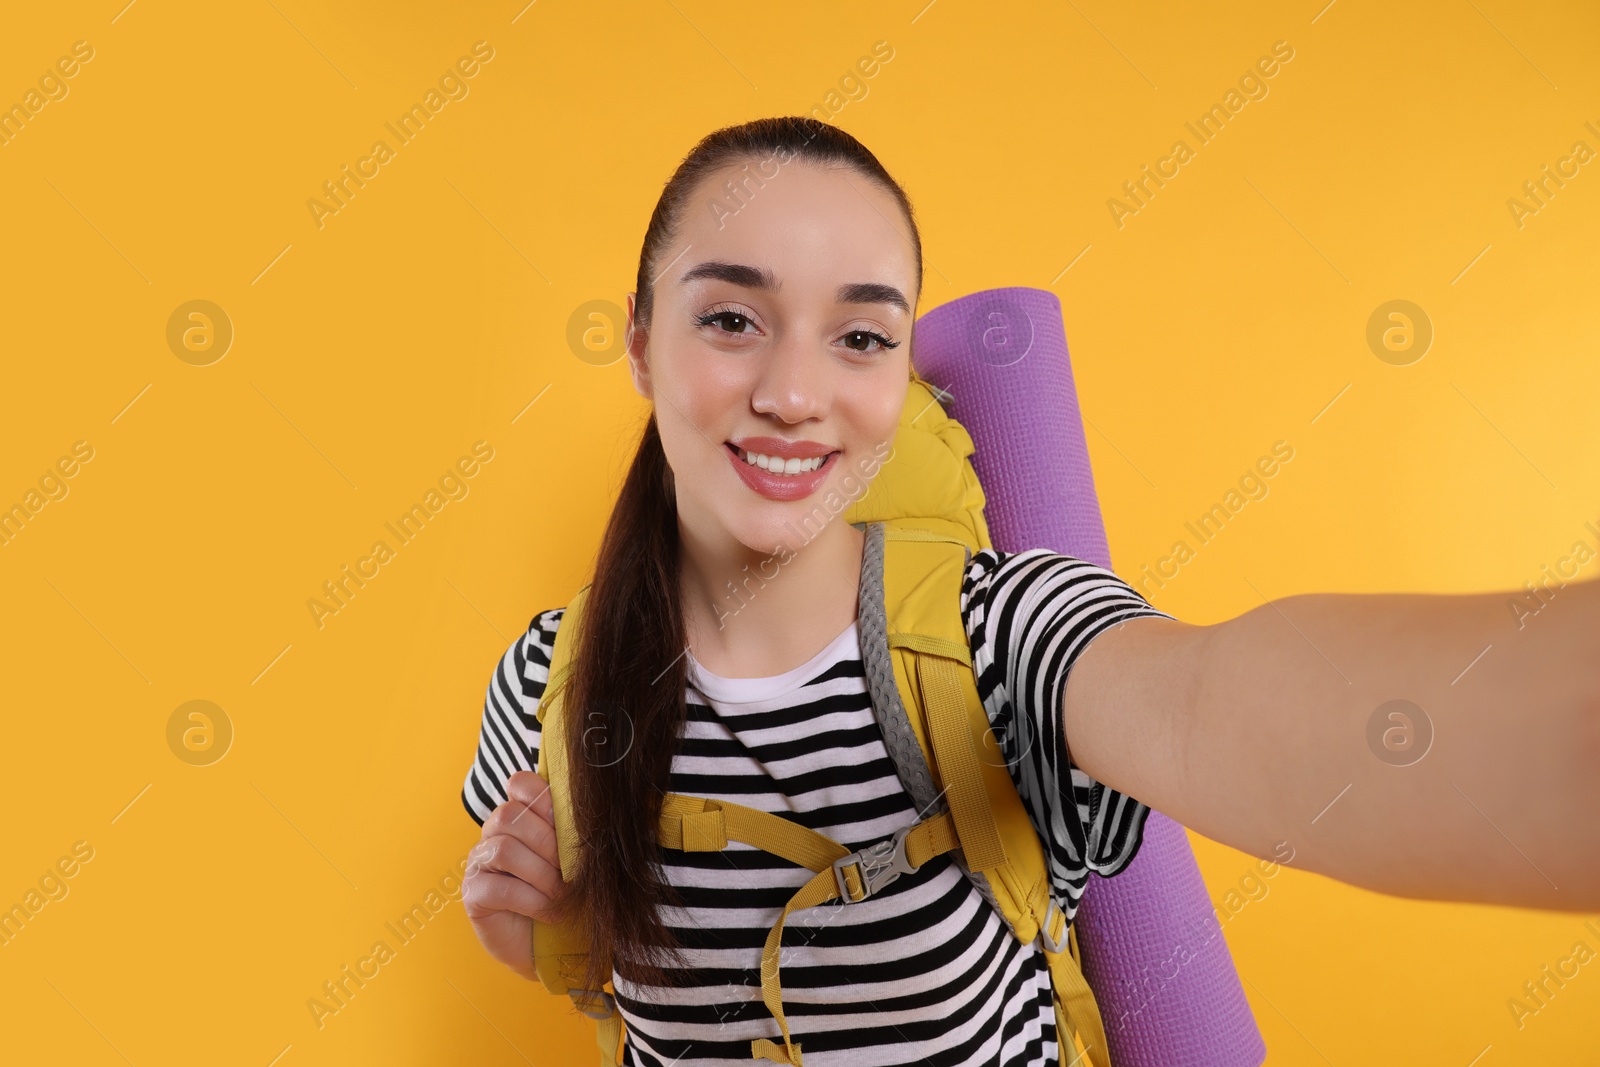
(925, 971)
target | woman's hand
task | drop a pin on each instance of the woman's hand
(514, 873)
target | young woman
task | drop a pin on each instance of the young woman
(777, 323)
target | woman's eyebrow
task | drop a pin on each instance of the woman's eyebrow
(873, 293)
(736, 273)
(762, 278)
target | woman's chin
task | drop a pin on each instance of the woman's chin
(776, 529)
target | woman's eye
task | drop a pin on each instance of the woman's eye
(736, 325)
(867, 336)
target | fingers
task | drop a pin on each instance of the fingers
(530, 789)
(500, 860)
(490, 892)
(528, 825)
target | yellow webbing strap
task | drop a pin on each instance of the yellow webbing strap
(609, 1033)
(955, 749)
(956, 752)
(698, 824)
(1077, 999)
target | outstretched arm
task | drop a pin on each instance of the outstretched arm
(1481, 784)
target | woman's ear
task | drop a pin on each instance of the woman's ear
(635, 341)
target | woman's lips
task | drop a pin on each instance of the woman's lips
(780, 486)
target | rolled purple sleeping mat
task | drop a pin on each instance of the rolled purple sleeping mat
(1153, 950)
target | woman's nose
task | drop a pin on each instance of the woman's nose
(794, 383)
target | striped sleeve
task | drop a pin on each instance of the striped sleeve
(508, 738)
(1029, 616)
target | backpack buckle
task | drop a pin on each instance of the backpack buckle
(877, 865)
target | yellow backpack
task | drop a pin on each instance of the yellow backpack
(923, 515)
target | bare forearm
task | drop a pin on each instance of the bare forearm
(1293, 737)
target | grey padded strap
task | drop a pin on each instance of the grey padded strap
(898, 738)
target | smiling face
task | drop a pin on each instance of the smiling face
(783, 331)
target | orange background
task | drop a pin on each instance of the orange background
(370, 352)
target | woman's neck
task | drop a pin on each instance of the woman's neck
(752, 615)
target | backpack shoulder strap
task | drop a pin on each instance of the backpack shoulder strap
(924, 694)
(910, 602)
(560, 951)
(552, 731)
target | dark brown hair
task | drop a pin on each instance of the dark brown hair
(625, 692)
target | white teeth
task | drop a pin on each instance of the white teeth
(774, 465)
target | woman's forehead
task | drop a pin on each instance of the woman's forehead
(812, 263)
(737, 212)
